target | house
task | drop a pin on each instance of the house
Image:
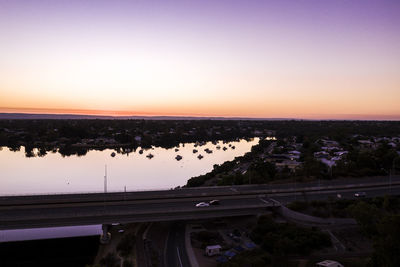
(366, 144)
(291, 164)
(341, 153)
(329, 263)
(213, 250)
(321, 154)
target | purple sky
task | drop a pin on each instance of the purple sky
(273, 58)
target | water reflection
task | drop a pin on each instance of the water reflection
(49, 232)
(133, 169)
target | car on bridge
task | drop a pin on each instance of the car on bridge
(360, 194)
(214, 202)
(202, 204)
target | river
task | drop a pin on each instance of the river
(54, 174)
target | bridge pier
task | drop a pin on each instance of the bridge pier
(105, 236)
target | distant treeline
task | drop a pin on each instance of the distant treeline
(78, 136)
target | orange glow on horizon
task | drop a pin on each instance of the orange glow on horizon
(125, 113)
(278, 61)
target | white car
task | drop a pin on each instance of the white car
(360, 194)
(202, 204)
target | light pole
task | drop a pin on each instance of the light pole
(105, 179)
(105, 189)
(390, 175)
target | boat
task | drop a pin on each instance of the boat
(195, 151)
(200, 156)
(209, 151)
(113, 154)
(178, 157)
(141, 151)
(218, 147)
(176, 149)
(233, 147)
(224, 148)
(150, 156)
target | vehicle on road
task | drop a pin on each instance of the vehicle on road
(234, 237)
(214, 202)
(360, 194)
(202, 204)
(213, 250)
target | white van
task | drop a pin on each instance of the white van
(213, 250)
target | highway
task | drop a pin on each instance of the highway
(84, 209)
(48, 215)
(176, 250)
(371, 192)
(195, 191)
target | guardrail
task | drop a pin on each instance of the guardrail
(174, 194)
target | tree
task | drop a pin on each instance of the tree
(387, 242)
(110, 260)
(366, 215)
(125, 246)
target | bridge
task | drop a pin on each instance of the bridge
(109, 208)
(19, 212)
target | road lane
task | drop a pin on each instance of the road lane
(47, 215)
(189, 192)
(176, 250)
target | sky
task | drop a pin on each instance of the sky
(311, 59)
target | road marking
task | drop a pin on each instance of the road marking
(234, 190)
(179, 256)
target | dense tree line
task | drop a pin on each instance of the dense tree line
(383, 159)
(173, 132)
(67, 134)
(288, 239)
(277, 241)
(379, 220)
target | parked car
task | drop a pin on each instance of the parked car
(360, 194)
(202, 204)
(214, 202)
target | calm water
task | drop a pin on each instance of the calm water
(54, 173)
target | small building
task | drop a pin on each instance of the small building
(329, 263)
(291, 164)
(213, 250)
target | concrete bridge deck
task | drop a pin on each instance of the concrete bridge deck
(18, 212)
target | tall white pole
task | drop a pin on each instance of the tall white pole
(105, 179)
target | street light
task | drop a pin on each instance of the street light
(390, 175)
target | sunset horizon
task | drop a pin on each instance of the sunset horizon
(311, 60)
(125, 113)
